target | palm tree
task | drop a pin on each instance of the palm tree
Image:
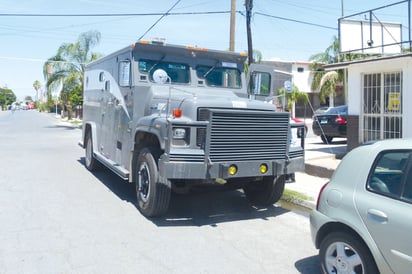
(37, 86)
(67, 66)
(323, 82)
(293, 97)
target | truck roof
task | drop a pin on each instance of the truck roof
(190, 51)
(178, 50)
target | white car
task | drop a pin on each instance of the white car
(363, 221)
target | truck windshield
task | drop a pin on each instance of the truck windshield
(178, 73)
(219, 76)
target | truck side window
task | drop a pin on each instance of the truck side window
(124, 73)
(260, 83)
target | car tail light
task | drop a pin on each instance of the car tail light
(320, 193)
(340, 120)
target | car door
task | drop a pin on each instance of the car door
(385, 214)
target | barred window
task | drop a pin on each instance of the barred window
(382, 106)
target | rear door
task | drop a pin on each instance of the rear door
(385, 211)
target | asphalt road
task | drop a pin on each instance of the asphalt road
(57, 217)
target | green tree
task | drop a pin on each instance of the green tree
(7, 97)
(292, 97)
(37, 86)
(257, 58)
(67, 66)
(322, 81)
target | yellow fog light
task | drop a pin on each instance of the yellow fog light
(263, 168)
(232, 170)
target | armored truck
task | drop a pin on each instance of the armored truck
(173, 118)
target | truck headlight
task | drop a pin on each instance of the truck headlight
(179, 133)
(180, 136)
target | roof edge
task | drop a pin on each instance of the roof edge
(343, 65)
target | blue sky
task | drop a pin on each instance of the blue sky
(27, 42)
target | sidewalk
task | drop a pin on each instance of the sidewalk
(320, 162)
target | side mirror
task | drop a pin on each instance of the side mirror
(160, 76)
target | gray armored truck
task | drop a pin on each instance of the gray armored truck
(173, 118)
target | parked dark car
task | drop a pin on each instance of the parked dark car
(330, 122)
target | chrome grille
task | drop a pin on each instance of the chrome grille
(247, 135)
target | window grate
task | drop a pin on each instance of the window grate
(382, 106)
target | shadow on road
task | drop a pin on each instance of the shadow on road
(214, 207)
(68, 127)
(340, 142)
(195, 209)
(308, 265)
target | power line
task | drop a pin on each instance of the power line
(110, 14)
(295, 21)
(155, 14)
(158, 20)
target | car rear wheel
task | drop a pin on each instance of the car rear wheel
(344, 253)
(266, 192)
(153, 195)
(326, 139)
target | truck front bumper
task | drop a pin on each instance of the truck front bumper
(222, 170)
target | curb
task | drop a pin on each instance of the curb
(318, 171)
(309, 205)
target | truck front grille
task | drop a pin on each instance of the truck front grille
(244, 135)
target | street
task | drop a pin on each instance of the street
(57, 217)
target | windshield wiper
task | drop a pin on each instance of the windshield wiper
(210, 70)
(157, 63)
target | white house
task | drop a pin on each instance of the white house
(378, 92)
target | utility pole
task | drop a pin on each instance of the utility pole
(249, 6)
(232, 25)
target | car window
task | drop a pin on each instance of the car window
(407, 190)
(321, 110)
(389, 173)
(342, 110)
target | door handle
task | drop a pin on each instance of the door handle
(377, 216)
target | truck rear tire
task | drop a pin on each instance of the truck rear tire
(90, 161)
(153, 196)
(266, 192)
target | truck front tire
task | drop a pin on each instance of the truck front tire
(90, 161)
(153, 195)
(266, 192)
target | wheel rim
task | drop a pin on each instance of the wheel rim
(144, 182)
(89, 151)
(342, 258)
